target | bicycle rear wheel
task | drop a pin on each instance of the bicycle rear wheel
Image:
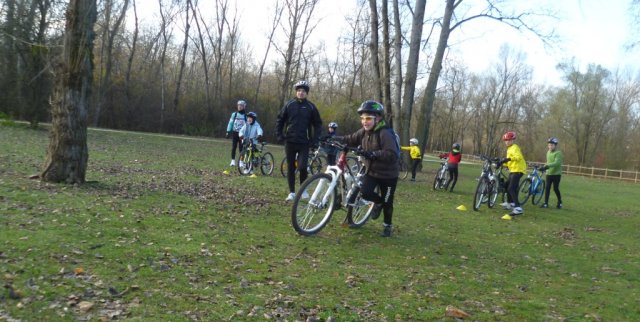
(309, 216)
(538, 193)
(524, 191)
(245, 166)
(358, 209)
(493, 193)
(353, 164)
(404, 169)
(266, 164)
(283, 167)
(316, 164)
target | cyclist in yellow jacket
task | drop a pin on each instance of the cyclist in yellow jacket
(416, 156)
(517, 166)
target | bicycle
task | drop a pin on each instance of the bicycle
(329, 191)
(253, 156)
(441, 181)
(490, 184)
(404, 168)
(532, 186)
(315, 163)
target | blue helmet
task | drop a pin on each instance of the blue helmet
(553, 140)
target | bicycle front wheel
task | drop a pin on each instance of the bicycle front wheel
(316, 164)
(266, 164)
(353, 164)
(309, 216)
(481, 193)
(283, 167)
(493, 193)
(245, 165)
(538, 193)
(524, 191)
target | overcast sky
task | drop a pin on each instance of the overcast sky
(591, 31)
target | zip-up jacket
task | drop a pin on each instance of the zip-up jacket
(554, 162)
(236, 121)
(385, 165)
(414, 151)
(299, 122)
(453, 159)
(516, 159)
(251, 131)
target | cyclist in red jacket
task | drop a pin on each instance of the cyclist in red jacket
(453, 158)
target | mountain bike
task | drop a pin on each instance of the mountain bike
(490, 184)
(315, 163)
(253, 156)
(532, 186)
(441, 181)
(337, 187)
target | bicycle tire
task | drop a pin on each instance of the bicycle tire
(479, 196)
(358, 210)
(493, 193)
(283, 167)
(524, 191)
(247, 166)
(266, 164)
(309, 216)
(316, 164)
(538, 193)
(353, 164)
(404, 169)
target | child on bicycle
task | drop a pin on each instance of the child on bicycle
(517, 166)
(250, 134)
(453, 159)
(415, 154)
(380, 151)
(331, 151)
(554, 172)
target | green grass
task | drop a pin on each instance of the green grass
(160, 233)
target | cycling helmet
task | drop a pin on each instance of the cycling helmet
(302, 84)
(333, 125)
(413, 141)
(252, 115)
(456, 146)
(371, 107)
(509, 136)
(553, 140)
(242, 102)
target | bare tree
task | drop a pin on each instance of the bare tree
(67, 155)
(277, 14)
(185, 44)
(373, 48)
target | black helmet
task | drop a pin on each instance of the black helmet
(553, 140)
(371, 107)
(333, 125)
(253, 115)
(302, 84)
(455, 147)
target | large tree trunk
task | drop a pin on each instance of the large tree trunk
(373, 48)
(411, 75)
(68, 154)
(401, 128)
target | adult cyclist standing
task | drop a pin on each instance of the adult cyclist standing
(299, 126)
(236, 122)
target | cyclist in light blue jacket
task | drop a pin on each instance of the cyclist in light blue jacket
(251, 130)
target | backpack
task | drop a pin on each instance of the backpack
(397, 140)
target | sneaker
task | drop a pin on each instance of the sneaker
(386, 231)
(413, 179)
(544, 205)
(559, 206)
(507, 206)
(375, 212)
(291, 196)
(517, 211)
(233, 163)
(305, 195)
(241, 163)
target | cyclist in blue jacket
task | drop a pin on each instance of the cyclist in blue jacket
(237, 120)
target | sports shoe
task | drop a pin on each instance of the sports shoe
(517, 211)
(241, 163)
(291, 196)
(413, 179)
(386, 231)
(559, 206)
(305, 195)
(544, 205)
(375, 212)
(507, 206)
(233, 163)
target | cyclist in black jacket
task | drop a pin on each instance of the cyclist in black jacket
(299, 126)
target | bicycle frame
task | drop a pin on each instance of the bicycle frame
(336, 172)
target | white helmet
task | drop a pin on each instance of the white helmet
(413, 141)
(242, 102)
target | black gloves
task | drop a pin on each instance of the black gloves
(544, 168)
(260, 138)
(369, 155)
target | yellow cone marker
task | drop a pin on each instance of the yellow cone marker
(225, 172)
(253, 176)
(462, 207)
(507, 217)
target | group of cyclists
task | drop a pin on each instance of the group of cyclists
(299, 127)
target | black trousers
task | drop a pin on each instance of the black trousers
(387, 191)
(555, 181)
(414, 167)
(235, 144)
(300, 152)
(453, 177)
(512, 187)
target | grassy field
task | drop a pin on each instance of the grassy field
(159, 233)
